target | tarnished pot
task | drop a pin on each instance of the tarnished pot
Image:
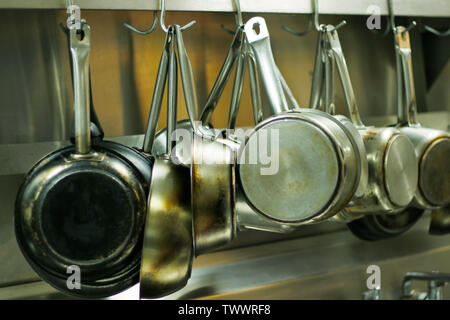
(182, 136)
(213, 193)
(432, 147)
(245, 217)
(217, 152)
(82, 208)
(168, 238)
(212, 172)
(168, 246)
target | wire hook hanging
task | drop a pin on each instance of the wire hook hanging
(390, 24)
(155, 21)
(314, 17)
(144, 32)
(437, 32)
(237, 17)
(163, 12)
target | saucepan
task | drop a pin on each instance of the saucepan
(319, 166)
(385, 211)
(168, 247)
(392, 163)
(329, 50)
(432, 146)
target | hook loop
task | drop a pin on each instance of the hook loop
(163, 13)
(319, 27)
(144, 32)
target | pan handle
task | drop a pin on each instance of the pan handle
(260, 44)
(187, 80)
(318, 73)
(158, 93)
(287, 91)
(237, 91)
(344, 75)
(222, 78)
(254, 85)
(172, 89)
(407, 113)
(96, 127)
(80, 50)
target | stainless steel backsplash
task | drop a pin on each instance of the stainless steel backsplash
(35, 85)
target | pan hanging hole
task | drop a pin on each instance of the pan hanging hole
(256, 28)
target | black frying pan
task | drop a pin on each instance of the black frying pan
(85, 204)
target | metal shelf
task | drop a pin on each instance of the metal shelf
(428, 8)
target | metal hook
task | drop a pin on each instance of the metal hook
(437, 32)
(300, 34)
(390, 24)
(224, 27)
(163, 12)
(144, 32)
(340, 25)
(411, 26)
(237, 16)
(317, 25)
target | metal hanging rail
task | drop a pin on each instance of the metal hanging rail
(428, 8)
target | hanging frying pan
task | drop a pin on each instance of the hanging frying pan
(83, 205)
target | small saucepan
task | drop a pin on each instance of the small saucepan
(318, 168)
(168, 247)
(432, 146)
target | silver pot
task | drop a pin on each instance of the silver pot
(319, 164)
(432, 147)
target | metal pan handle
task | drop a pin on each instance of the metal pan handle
(344, 76)
(172, 90)
(318, 73)
(237, 91)
(260, 44)
(158, 93)
(222, 78)
(96, 127)
(407, 113)
(187, 80)
(329, 90)
(254, 84)
(80, 50)
(287, 91)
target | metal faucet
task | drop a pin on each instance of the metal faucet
(436, 283)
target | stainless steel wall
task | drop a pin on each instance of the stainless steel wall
(35, 87)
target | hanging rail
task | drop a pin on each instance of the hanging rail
(428, 8)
